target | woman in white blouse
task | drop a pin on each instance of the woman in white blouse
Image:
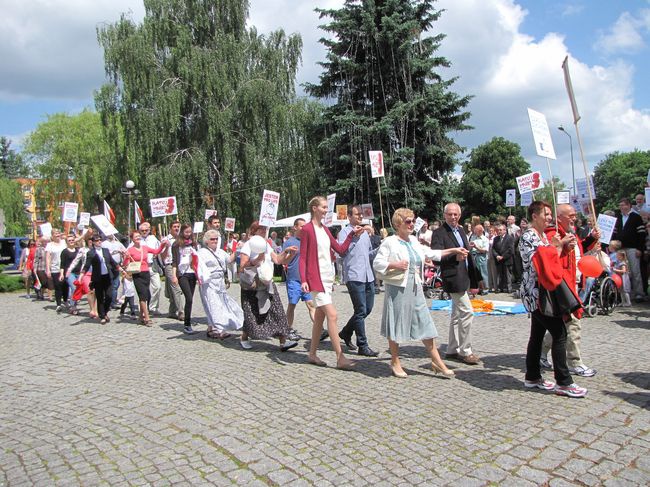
(406, 316)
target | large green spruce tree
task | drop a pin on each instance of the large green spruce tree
(382, 79)
(200, 106)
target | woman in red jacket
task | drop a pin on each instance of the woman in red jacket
(317, 277)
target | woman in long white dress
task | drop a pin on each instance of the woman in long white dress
(223, 312)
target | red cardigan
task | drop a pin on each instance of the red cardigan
(308, 263)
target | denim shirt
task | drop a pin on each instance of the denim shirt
(356, 261)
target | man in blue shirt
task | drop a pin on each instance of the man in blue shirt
(359, 278)
(294, 290)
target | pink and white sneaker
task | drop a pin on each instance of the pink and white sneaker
(572, 390)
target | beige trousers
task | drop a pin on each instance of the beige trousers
(573, 356)
(460, 326)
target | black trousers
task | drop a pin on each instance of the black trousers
(539, 325)
(187, 282)
(103, 292)
(504, 282)
(60, 290)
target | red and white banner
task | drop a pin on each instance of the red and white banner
(108, 213)
(376, 163)
(209, 213)
(139, 216)
(163, 206)
(530, 182)
(269, 208)
(229, 225)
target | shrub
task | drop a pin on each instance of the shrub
(9, 284)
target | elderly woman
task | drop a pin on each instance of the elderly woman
(406, 316)
(480, 245)
(223, 312)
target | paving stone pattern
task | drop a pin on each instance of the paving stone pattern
(121, 404)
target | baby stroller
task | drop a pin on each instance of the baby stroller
(432, 283)
(601, 295)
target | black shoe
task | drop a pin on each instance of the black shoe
(348, 343)
(367, 352)
(324, 336)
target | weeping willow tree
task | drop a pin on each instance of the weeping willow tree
(201, 107)
(381, 72)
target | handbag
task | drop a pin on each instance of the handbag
(394, 274)
(559, 302)
(134, 267)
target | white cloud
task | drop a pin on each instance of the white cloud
(626, 35)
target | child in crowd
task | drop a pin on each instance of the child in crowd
(128, 290)
(614, 247)
(620, 268)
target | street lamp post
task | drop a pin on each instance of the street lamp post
(573, 171)
(129, 189)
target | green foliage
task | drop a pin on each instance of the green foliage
(491, 169)
(620, 175)
(546, 193)
(11, 202)
(207, 107)
(12, 164)
(10, 283)
(382, 73)
(66, 147)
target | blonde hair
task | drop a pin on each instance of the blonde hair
(208, 235)
(621, 256)
(315, 201)
(400, 215)
(615, 245)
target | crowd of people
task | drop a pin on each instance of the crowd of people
(537, 259)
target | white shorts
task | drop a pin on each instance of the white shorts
(325, 297)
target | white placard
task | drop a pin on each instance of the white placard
(331, 206)
(163, 206)
(606, 225)
(104, 225)
(376, 163)
(526, 199)
(581, 188)
(70, 211)
(648, 179)
(419, 222)
(269, 208)
(198, 227)
(209, 213)
(563, 197)
(366, 209)
(229, 225)
(647, 200)
(84, 219)
(530, 182)
(46, 230)
(541, 134)
(511, 196)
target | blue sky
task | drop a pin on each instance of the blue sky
(506, 53)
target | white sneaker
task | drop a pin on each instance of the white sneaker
(246, 344)
(582, 371)
(572, 390)
(544, 384)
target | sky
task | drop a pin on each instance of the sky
(507, 54)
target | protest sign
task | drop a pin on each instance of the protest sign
(511, 195)
(606, 225)
(331, 204)
(163, 206)
(198, 227)
(341, 212)
(647, 199)
(581, 188)
(530, 182)
(229, 225)
(541, 134)
(419, 222)
(84, 219)
(269, 208)
(563, 197)
(46, 230)
(526, 199)
(70, 211)
(376, 163)
(209, 213)
(366, 209)
(105, 226)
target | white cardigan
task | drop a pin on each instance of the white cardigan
(392, 250)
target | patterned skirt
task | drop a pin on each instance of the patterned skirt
(258, 326)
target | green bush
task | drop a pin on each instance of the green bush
(9, 284)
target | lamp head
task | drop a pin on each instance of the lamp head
(129, 184)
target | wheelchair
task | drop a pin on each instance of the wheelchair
(603, 297)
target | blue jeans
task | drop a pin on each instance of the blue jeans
(115, 285)
(71, 279)
(363, 299)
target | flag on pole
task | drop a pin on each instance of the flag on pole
(569, 89)
(139, 216)
(108, 213)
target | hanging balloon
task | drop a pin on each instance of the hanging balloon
(589, 266)
(618, 280)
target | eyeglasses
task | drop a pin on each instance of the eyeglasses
(213, 239)
(409, 221)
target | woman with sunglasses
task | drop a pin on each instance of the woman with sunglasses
(406, 316)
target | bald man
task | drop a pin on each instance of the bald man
(571, 253)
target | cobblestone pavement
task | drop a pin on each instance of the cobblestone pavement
(85, 404)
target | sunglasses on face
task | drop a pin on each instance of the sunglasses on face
(213, 239)
(409, 221)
